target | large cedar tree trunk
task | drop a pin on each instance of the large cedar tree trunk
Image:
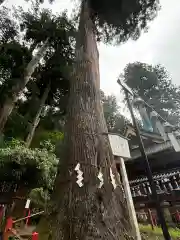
(87, 212)
(36, 119)
(8, 105)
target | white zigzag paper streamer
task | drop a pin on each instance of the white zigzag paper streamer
(100, 176)
(27, 203)
(113, 179)
(79, 175)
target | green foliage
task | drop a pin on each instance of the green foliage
(47, 138)
(12, 143)
(17, 125)
(39, 197)
(122, 19)
(8, 27)
(18, 164)
(140, 76)
(24, 163)
(40, 24)
(157, 232)
(33, 28)
(54, 120)
(153, 84)
(57, 65)
(53, 136)
(13, 59)
(47, 145)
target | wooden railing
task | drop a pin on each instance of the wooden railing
(24, 218)
(10, 231)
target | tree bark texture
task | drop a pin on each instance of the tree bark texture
(87, 212)
(36, 119)
(9, 103)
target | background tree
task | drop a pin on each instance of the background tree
(44, 32)
(154, 85)
(53, 76)
(115, 121)
(101, 213)
(18, 82)
(8, 27)
(16, 51)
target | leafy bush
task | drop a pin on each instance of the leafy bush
(51, 136)
(32, 166)
(39, 197)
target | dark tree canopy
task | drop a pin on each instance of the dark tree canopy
(33, 27)
(123, 19)
(14, 57)
(59, 57)
(8, 27)
(153, 84)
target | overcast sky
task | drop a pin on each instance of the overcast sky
(160, 45)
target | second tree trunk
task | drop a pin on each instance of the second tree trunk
(16, 91)
(36, 119)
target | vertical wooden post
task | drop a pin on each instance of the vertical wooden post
(27, 211)
(35, 236)
(151, 219)
(177, 216)
(7, 232)
(129, 199)
(155, 220)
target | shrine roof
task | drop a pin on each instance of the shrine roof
(155, 148)
(153, 142)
